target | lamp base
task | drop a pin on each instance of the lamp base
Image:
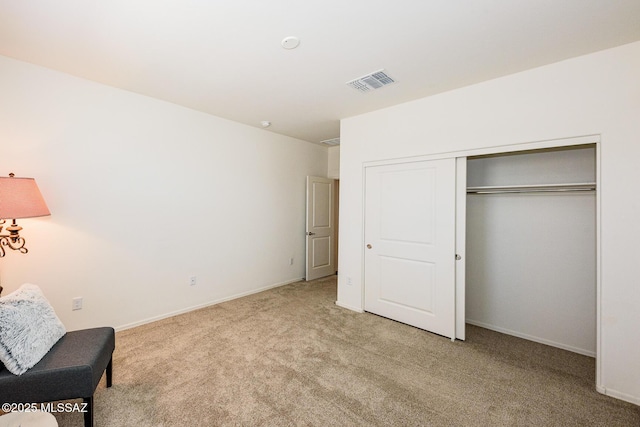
(12, 240)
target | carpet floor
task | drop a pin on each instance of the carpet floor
(289, 357)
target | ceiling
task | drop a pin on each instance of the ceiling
(225, 57)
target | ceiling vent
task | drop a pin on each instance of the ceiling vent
(332, 141)
(375, 80)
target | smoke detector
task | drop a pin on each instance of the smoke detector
(372, 81)
(290, 42)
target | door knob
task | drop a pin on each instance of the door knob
(310, 233)
(369, 246)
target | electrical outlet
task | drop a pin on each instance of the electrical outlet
(349, 282)
(76, 303)
(192, 281)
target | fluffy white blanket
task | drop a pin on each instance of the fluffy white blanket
(29, 328)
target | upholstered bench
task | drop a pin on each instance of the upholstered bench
(71, 369)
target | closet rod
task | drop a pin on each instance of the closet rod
(542, 188)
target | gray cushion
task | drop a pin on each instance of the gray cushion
(71, 369)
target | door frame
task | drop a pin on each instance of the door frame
(461, 156)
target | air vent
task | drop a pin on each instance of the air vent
(332, 141)
(375, 80)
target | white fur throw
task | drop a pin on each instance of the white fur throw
(28, 328)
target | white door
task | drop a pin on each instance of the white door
(409, 242)
(320, 228)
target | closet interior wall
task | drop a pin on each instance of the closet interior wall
(531, 255)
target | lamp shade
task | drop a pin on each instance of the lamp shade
(21, 198)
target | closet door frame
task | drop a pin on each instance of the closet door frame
(461, 192)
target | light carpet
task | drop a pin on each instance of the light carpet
(289, 357)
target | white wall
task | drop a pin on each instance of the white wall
(145, 194)
(333, 158)
(592, 94)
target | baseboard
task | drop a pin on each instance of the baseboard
(349, 307)
(618, 395)
(531, 338)
(206, 304)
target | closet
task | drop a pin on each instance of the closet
(531, 245)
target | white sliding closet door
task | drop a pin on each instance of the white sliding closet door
(410, 243)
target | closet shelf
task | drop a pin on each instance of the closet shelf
(536, 188)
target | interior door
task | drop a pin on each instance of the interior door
(320, 228)
(409, 250)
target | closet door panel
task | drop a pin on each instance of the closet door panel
(410, 243)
